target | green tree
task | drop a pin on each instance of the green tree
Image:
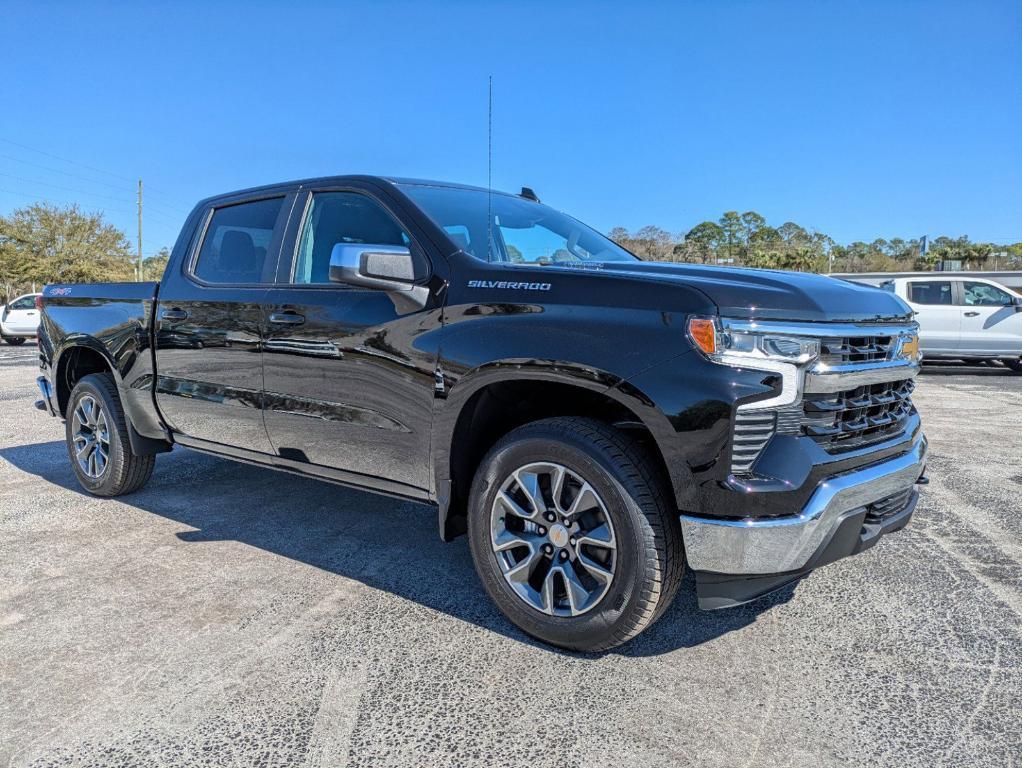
(792, 234)
(752, 222)
(153, 267)
(705, 239)
(733, 230)
(43, 243)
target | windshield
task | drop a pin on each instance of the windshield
(523, 232)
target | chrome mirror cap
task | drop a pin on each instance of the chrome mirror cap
(386, 267)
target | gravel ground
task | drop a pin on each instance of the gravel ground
(227, 615)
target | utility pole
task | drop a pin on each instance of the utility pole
(138, 264)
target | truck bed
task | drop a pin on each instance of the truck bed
(113, 320)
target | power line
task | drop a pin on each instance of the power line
(169, 217)
(59, 202)
(63, 173)
(66, 160)
(81, 165)
(63, 188)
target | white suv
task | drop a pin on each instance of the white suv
(19, 320)
(966, 318)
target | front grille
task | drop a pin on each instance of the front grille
(879, 511)
(841, 421)
(753, 430)
(842, 350)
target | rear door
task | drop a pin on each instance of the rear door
(990, 324)
(349, 370)
(209, 328)
(940, 320)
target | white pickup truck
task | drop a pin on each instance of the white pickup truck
(967, 318)
(19, 319)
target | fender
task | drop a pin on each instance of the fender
(450, 409)
(133, 399)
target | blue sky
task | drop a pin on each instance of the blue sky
(858, 119)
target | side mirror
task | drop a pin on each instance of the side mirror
(1016, 302)
(385, 267)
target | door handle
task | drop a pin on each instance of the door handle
(176, 313)
(287, 318)
(972, 314)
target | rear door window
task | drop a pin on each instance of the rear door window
(236, 248)
(930, 292)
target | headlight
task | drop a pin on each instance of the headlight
(760, 349)
(731, 346)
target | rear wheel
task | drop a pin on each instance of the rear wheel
(15, 341)
(1015, 364)
(97, 440)
(572, 534)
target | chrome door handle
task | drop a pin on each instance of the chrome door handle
(972, 314)
(287, 318)
(174, 314)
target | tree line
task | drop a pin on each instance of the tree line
(745, 239)
(42, 243)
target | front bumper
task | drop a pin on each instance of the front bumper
(790, 545)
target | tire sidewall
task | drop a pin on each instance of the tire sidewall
(597, 626)
(103, 484)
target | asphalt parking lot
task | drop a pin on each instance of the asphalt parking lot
(232, 616)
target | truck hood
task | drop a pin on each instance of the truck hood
(766, 294)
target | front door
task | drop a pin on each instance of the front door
(350, 371)
(940, 321)
(990, 324)
(210, 321)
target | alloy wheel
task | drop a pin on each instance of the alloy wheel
(553, 539)
(91, 437)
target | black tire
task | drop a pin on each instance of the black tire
(649, 560)
(15, 341)
(124, 472)
(1015, 364)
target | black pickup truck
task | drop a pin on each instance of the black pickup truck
(590, 420)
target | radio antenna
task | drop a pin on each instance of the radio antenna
(489, 173)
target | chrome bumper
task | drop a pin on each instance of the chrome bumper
(784, 544)
(46, 404)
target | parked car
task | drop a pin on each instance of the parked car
(19, 320)
(964, 318)
(591, 421)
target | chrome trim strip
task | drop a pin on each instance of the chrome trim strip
(822, 330)
(755, 546)
(858, 374)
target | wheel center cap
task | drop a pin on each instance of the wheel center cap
(558, 535)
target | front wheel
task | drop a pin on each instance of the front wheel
(572, 534)
(97, 440)
(1015, 364)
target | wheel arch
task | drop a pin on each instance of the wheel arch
(84, 356)
(75, 361)
(490, 401)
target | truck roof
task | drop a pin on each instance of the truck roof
(346, 178)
